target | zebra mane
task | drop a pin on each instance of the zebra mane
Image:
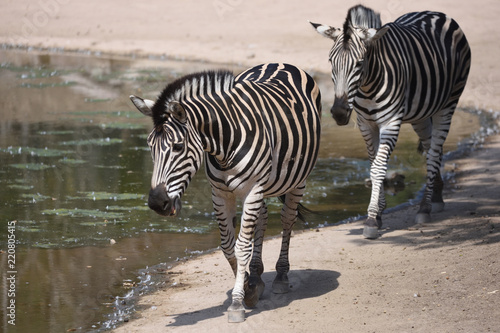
(361, 17)
(192, 85)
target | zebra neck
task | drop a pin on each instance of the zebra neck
(373, 73)
(216, 134)
(203, 96)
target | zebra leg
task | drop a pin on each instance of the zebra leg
(381, 206)
(379, 144)
(224, 204)
(378, 171)
(288, 219)
(441, 122)
(424, 131)
(225, 210)
(437, 201)
(252, 206)
(255, 287)
(445, 122)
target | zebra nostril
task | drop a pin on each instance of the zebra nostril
(158, 199)
(341, 102)
(341, 112)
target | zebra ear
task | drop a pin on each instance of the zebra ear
(326, 30)
(177, 110)
(143, 105)
(370, 35)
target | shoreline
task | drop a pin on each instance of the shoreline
(88, 52)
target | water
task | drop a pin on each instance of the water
(75, 173)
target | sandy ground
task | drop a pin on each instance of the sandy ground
(442, 277)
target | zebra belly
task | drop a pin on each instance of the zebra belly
(287, 179)
(274, 178)
(291, 163)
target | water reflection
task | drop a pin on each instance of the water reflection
(62, 289)
(76, 170)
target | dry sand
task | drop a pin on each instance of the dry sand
(441, 277)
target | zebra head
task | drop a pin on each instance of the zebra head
(175, 158)
(350, 45)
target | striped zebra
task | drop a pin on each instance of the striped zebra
(410, 71)
(260, 131)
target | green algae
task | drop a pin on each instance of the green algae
(20, 187)
(75, 212)
(31, 166)
(95, 142)
(42, 152)
(96, 195)
(72, 161)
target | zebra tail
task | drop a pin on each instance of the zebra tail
(302, 211)
(420, 148)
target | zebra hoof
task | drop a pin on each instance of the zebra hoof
(423, 218)
(236, 316)
(254, 291)
(372, 225)
(370, 232)
(236, 312)
(437, 207)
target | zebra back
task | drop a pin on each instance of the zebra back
(278, 106)
(433, 61)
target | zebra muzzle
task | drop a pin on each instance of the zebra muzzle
(341, 111)
(162, 204)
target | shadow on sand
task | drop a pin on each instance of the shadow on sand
(303, 284)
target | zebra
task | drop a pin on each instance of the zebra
(260, 134)
(412, 70)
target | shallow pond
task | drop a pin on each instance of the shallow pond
(75, 172)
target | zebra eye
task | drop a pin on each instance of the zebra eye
(177, 147)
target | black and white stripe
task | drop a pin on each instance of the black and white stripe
(260, 133)
(410, 71)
